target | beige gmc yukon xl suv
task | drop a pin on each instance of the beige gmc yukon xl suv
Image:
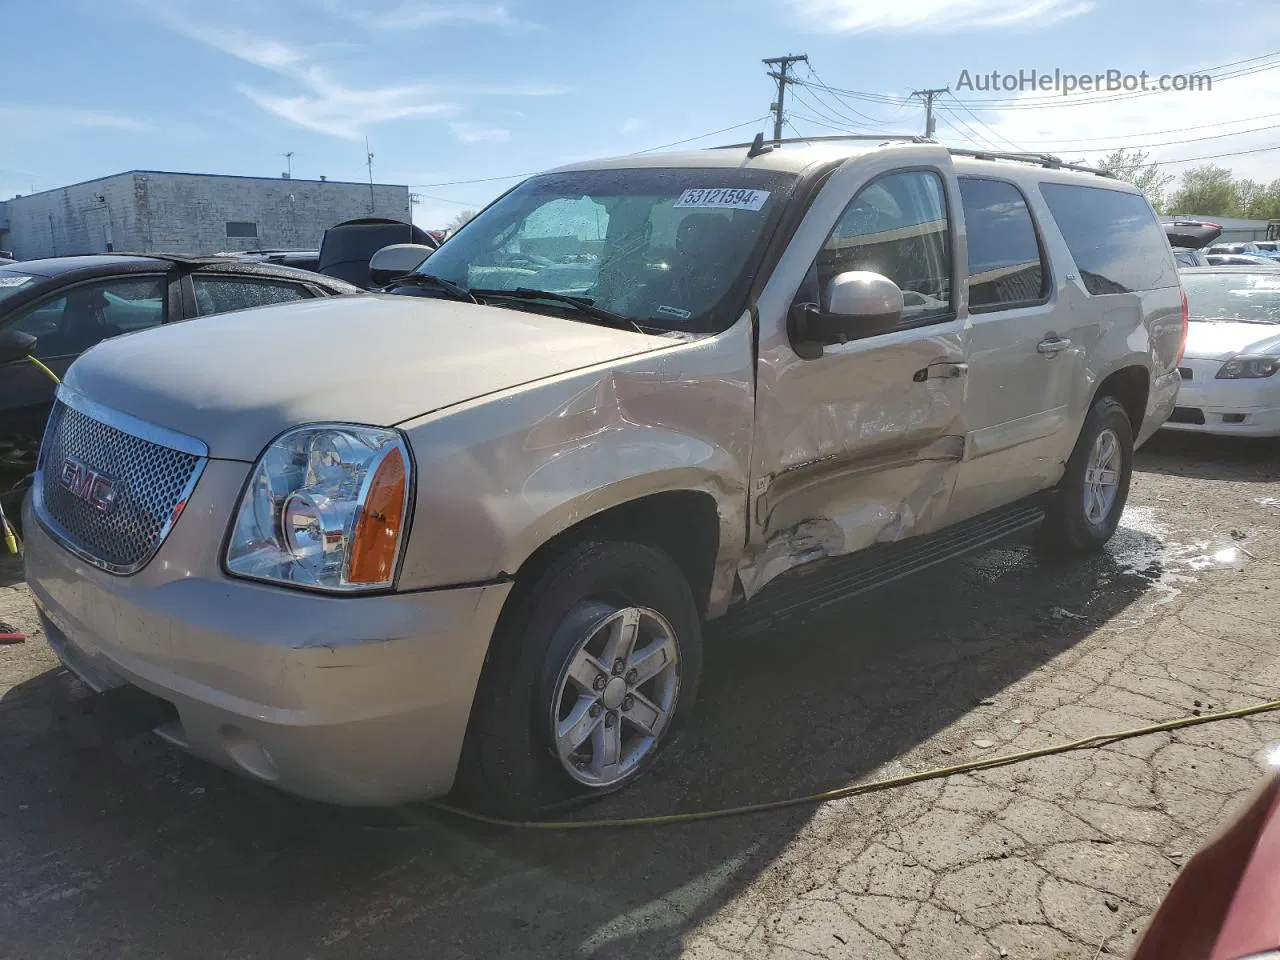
(463, 535)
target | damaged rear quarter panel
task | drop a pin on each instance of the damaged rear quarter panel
(499, 476)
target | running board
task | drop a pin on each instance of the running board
(811, 587)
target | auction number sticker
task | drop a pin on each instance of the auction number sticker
(13, 281)
(723, 198)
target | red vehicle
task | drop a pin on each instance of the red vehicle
(1225, 905)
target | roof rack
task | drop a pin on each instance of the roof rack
(865, 137)
(1041, 159)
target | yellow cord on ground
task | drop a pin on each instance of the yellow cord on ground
(858, 789)
(45, 370)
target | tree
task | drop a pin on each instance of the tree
(1259, 201)
(1207, 190)
(460, 220)
(1136, 167)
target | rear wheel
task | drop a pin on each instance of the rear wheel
(1090, 499)
(591, 672)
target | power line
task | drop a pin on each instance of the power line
(983, 123)
(857, 113)
(1178, 143)
(1161, 133)
(1219, 156)
(1057, 100)
(703, 136)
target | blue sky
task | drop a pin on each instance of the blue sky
(460, 90)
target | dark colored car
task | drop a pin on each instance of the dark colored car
(347, 247)
(71, 303)
(1194, 234)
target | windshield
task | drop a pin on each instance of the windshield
(672, 249)
(1237, 296)
(12, 282)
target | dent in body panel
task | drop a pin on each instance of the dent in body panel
(854, 450)
(500, 477)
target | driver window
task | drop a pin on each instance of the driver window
(72, 322)
(896, 226)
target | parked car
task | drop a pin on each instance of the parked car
(1229, 374)
(72, 303)
(1194, 234)
(1261, 248)
(1187, 257)
(1240, 260)
(383, 547)
(347, 247)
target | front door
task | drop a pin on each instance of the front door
(862, 444)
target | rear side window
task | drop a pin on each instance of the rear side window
(221, 294)
(1006, 264)
(1113, 236)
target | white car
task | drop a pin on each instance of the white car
(1231, 367)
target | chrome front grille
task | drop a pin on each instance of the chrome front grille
(109, 487)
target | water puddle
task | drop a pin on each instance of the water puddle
(1144, 546)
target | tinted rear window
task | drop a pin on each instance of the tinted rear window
(1114, 238)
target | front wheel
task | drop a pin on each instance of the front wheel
(1086, 507)
(591, 673)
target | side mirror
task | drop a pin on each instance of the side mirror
(395, 261)
(15, 345)
(861, 304)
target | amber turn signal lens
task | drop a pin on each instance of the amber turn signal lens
(377, 533)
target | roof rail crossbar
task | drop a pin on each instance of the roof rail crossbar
(1040, 159)
(866, 137)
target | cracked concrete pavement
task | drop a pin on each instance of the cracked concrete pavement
(115, 845)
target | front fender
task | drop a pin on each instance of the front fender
(500, 476)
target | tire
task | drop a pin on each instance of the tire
(532, 683)
(1071, 525)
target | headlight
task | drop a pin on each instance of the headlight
(326, 507)
(1248, 368)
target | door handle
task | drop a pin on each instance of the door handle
(1052, 345)
(940, 371)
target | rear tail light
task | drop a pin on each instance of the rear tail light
(1186, 326)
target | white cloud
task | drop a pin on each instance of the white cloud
(851, 16)
(476, 133)
(345, 112)
(415, 16)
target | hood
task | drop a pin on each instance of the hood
(1221, 340)
(237, 380)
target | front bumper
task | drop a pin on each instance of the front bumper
(349, 700)
(1226, 407)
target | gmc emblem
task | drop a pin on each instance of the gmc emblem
(87, 484)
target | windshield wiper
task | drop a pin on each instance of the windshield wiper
(431, 280)
(584, 305)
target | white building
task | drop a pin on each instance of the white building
(145, 211)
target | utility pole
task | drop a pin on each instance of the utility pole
(784, 65)
(368, 162)
(288, 170)
(928, 97)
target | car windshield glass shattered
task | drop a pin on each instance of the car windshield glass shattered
(671, 249)
(12, 282)
(1254, 297)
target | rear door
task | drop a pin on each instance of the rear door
(1026, 351)
(863, 443)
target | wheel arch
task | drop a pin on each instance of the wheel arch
(687, 524)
